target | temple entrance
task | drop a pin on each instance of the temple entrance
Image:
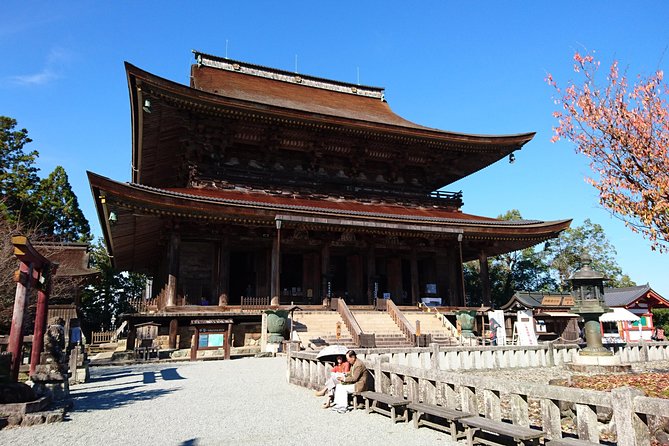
(406, 283)
(242, 276)
(196, 273)
(292, 288)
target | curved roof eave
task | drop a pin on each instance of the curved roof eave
(181, 201)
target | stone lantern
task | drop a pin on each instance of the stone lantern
(588, 293)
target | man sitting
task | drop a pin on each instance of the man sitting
(353, 381)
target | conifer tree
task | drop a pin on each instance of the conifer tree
(18, 174)
(58, 210)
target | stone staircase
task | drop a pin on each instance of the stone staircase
(387, 333)
(431, 323)
(316, 329)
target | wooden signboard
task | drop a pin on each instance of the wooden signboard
(551, 301)
(568, 301)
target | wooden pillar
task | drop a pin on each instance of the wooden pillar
(194, 344)
(174, 329)
(394, 267)
(226, 339)
(224, 273)
(445, 279)
(132, 335)
(40, 326)
(18, 315)
(415, 285)
(485, 278)
(173, 268)
(275, 290)
(317, 278)
(325, 269)
(462, 298)
(371, 274)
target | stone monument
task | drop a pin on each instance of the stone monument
(51, 375)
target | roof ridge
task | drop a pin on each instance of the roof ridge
(277, 74)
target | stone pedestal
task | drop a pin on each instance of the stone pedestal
(51, 379)
(598, 364)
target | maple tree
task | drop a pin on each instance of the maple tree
(624, 130)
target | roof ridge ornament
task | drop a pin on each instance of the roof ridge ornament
(288, 77)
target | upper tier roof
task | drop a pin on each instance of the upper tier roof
(240, 91)
(271, 86)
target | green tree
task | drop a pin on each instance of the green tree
(510, 272)
(18, 174)
(58, 212)
(563, 255)
(108, 295)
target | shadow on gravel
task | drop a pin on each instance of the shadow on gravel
(191, 442)
(149, 377)
(110, 399)
(170, 374)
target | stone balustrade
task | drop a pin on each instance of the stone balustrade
(426, 375)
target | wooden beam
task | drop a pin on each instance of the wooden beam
(173, 268)
(485, 278)
(415, 286)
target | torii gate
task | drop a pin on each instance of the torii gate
(36, 271)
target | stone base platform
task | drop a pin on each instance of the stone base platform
(598, 364)
(40, 411)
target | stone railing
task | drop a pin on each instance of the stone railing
(508, 356)
(521, 403)
(396, 315)
(477, 357)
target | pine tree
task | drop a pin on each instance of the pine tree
(18, 174)
(58, 210)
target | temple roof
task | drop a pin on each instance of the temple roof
(621, 297)
(137, 206)
(72, 258)
(271, 97)
(278, 88)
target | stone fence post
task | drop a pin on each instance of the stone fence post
(434, 360)
(630, 429)
(378, 373)
(550, 355)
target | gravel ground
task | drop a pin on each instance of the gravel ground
(244, 401)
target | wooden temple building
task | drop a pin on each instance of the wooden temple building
(254, 181)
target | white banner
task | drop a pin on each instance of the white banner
(524, 328)
(496, 321)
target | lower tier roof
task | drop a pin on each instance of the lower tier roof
(139, 214)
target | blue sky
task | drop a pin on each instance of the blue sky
(475, 67)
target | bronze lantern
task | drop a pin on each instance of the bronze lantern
(588, 292)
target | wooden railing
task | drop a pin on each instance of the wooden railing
(103, 337)
(401, 321)
(359, 337)
(453, 332)
(254, 304)
(634, 416)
